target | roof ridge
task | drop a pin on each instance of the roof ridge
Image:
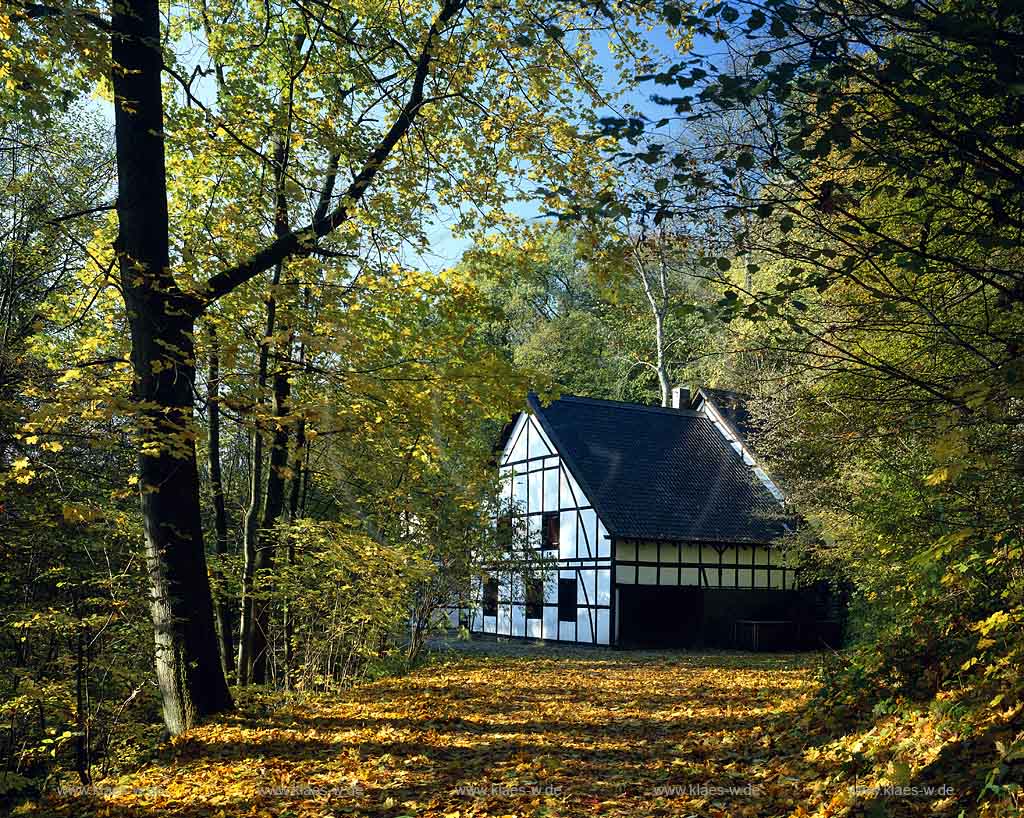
(714, 390)
(642, 407)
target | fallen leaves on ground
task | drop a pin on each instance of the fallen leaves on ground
(602, 734)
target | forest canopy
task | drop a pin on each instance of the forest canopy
(247, 429)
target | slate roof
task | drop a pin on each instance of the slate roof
(659, 474)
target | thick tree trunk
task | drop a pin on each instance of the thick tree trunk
(163, 359)
(220, 514)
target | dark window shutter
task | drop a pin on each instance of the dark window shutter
(491, 597)
(534, 598)
(550, 530)
(567, 600)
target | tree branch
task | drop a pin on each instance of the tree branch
(78, 213)
(303, 240)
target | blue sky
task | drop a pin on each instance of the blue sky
(446, 249)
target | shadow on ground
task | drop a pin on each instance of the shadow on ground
(504, 731)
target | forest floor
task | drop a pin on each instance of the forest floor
(499, 732)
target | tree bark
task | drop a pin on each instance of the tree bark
(250, 529)
(659, 310)
(188, 665)
(294, 494)
(220, 515)
(259, 536)
(162, 322)
(273, 509)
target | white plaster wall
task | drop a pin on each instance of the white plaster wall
(540, 483)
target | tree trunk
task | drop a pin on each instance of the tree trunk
(659, 359)
(261, 543)
(268, 539)
(295, 490)
(252, 541)
(220, 515)
(659, 309)
(250, 532)
(163, 360)
(83, 764)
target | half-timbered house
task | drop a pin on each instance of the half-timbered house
(652, 525)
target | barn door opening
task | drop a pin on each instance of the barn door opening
(658, 616)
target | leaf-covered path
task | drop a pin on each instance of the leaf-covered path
(571, 734)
